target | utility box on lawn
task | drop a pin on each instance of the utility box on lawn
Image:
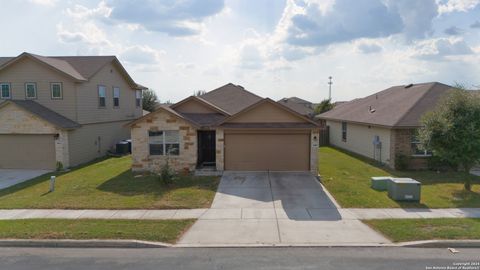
(380, 182)
(404, 189)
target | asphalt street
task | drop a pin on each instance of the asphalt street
(238, 258)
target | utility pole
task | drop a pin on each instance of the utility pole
(330, 87)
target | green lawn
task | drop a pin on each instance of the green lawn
(150, 230)
(110, 184)
(347, 177)
(402, 230)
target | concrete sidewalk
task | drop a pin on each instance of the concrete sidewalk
(245, 213)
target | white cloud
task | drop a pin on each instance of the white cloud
(87, 32)
(457, 5)
(175, 18)
(50, 3)
(368, 47)
(441, 48)
(141, 55)
(80, 12)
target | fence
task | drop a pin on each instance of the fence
(324, 139)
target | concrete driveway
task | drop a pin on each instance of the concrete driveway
(10, 177)
(275, 208)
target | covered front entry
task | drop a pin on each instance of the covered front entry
(267, 151)
(25, 151)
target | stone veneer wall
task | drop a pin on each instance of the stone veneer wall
(401, 144)
(186, 161)
(220, 149)
(16, 120)
(314, 144)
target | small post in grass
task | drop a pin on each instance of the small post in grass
(52, 183)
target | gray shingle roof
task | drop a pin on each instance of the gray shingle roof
(205, 119)
(299, 105)
(397, 106)
(231, 98)
(46, 114)
(81, 68)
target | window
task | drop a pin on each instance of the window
(164, 143)
(102, 96)
(418, 149)
(116, 96)
(30, 90)
(344, 131)
(56, 90)
(5, 92)
(138, 98)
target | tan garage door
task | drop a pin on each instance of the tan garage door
(261, 152)
(27, 152)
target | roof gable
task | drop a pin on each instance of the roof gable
(268, 111)
(231, 98)
(398, 106)
(79, 68)
(55, 64)
(195, 104)
(160, 110)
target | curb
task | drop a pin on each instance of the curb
(442, 244)
(70, 243)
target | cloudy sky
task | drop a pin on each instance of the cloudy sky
(275, 48)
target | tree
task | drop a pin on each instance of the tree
(149, 100)
(324, 106)
(452, 130)
(199, 93)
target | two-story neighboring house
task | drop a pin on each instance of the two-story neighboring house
(63, 110)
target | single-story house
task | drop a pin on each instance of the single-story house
(383, 126)
(228, 128)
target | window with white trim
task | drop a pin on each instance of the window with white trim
(102, 95)
(116, 96)
(138, 98)
(56, 90)
(5, 91)
(30, 90)
(418, 149)
(164, 143)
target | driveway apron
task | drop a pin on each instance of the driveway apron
(275, 208)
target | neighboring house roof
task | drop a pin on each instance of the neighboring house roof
(397, 106)
(45, 113)
(231, 98)
(79, 68)
(299, 105)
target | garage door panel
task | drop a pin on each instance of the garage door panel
(21, 151)
(260, 152)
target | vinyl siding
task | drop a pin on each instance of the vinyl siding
(83, 142)
(87, 98)
(360, 139)
(266, 113)
(28, 70)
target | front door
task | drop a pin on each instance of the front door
(206, 148)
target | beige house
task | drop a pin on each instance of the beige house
(63, 110)
(228, 128)
(383, 126)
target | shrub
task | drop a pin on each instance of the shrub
(59, 166)
(166, 174)
(401, 162)
(436, 163)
